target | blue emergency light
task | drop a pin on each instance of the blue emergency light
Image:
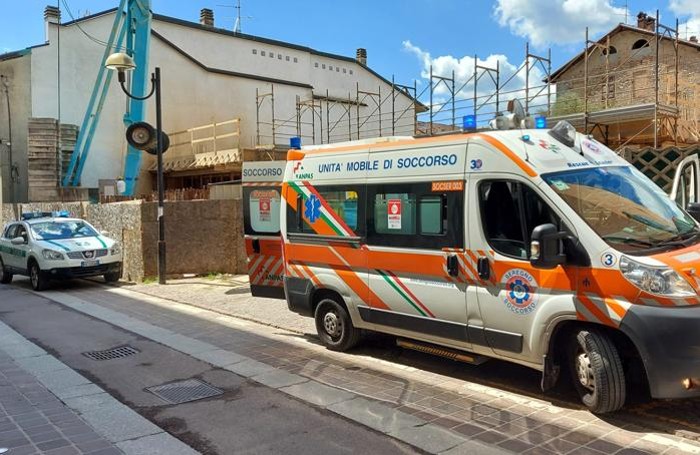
(540, 122)
(35, 215)
(295, 142)
(469, 122)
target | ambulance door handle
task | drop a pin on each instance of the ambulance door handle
(256, 245)
(483, 268)
(452, 265)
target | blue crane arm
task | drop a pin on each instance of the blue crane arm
(133, 22)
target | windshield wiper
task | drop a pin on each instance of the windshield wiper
(682, 238)
(630, 241)
(646, 221)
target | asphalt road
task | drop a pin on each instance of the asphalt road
(246, 418)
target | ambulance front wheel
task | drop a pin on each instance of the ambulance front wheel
(334, 326)
(597, 371)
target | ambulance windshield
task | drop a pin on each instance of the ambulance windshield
(625, 208)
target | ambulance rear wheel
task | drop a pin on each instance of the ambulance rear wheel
(5, 276)
(597, 371)
(334, 326)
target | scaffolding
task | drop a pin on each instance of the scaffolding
(644, 111)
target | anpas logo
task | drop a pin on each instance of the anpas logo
(520, 290)
(591, 146)
(299, 174)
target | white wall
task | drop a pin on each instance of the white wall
(191, 95)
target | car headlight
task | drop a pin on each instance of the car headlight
(662, 281)
(52, 255)
(115, 250)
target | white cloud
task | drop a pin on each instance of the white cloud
(463, 68)
(689, 10)
(546, 22)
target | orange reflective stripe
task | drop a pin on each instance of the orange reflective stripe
(616, 307)
(311, 275)
(595, 311)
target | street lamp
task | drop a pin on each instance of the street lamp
(138, 136)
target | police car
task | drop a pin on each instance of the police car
(51, 246)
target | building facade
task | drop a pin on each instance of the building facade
(259, 91)
(615, 85)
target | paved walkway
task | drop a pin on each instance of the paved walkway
(496, 403)
(33, 420)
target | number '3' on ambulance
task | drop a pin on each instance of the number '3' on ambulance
(540, 247)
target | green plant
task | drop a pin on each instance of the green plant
(149, 280)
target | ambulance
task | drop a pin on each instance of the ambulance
(536, 246)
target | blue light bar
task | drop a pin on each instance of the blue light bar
(61, 214)
(540, 122)
(34, 215)
(469, 122)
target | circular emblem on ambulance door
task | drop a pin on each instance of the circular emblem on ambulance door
(520, 290)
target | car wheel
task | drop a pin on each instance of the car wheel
(334, 326)
(112, 277)
(597, 371)
(39, 282)
(5, 276)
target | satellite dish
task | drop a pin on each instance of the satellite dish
(516, 108)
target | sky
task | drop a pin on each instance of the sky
(402, 37)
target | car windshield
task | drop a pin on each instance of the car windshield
(625, 208)
(58, 230)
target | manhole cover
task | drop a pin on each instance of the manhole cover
(109, 354)
(185, 391)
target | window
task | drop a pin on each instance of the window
(279, 56)
(263, 209)
(509, 212)
(10, 232)
(686, 189)
(345, 203)
(323, 66)
(255, 52)
(272, 55)
(345, 70)
(295, 60)
(262, 53)
(330, 67)
(21, 231)
(350, 71)
(414, 216)
(640, 44)
(287, 58)
(337, 70)
(613, 51)
(315, 64)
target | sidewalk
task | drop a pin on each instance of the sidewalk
(33, 420)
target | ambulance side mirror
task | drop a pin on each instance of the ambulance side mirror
(546, 246)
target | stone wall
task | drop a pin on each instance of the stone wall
(201, 236)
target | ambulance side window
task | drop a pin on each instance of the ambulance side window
(411, 215)
(509, 212)
(335, 207)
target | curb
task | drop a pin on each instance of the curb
(116, 422)
(362, 410)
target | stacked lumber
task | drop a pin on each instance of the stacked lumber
(67, 139)
(42, 151)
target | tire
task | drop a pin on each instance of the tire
(596, 369)
(37, 278)
(5, 276)
(334, 326)
(112, 277)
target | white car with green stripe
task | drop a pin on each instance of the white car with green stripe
(49, 248)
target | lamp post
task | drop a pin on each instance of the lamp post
(122, 63)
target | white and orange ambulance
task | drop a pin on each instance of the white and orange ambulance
(540, 247)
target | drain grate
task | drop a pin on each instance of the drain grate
(109, 354)
(185, 391)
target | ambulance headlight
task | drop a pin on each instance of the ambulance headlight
(115, 250)
(662, 281)
(51, 255)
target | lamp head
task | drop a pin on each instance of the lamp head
(120, 62)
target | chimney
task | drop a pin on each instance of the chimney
(693, 39)
(646, 22)
(361, 56)
(52, 15)
(206, 17)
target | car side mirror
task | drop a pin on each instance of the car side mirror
(18, 241)
(693, 210)
(546, 246)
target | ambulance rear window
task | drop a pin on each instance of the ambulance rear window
(265, 211)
